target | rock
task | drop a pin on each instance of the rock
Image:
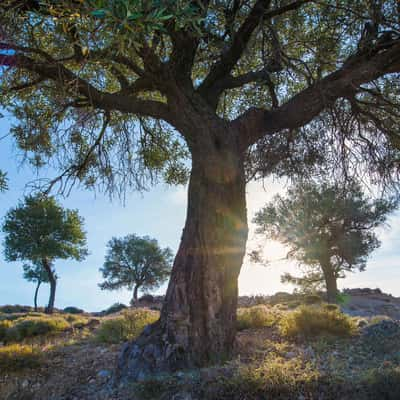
(384, 328)
(104, 374)
(25, 383)
(361, 323)
(182, 396)
(290, 354)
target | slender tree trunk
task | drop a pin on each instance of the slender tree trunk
(53, 284)
(331, 283)
(36, 294)
(198, 319)
(135, 293)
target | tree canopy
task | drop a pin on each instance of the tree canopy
(135, 263)
(328, 228)
(39, 230)
(94, 84)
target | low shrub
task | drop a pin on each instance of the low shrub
(313, 321)
(16, 357)
(331, 307)
(312, 299)
(11, 309)
(4, 326)
(383, 383)
(76, 321)
(114, 308)
(32, 326)
(126, 326)
(256, 317)
(73, 310)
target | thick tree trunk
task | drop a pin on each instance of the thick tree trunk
(53, 284)
(36, 295)
(198, 319)
(331, 283)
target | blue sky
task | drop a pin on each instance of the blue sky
(159, 213)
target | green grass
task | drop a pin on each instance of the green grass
(126, 326)
(309, 321)
(16, 357)
(259, 316)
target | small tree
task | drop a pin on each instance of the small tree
(328, 229)
(39, 230)
(135, 262)
(35, 273)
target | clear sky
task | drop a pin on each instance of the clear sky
(159, 213)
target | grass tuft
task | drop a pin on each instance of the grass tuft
(311, 321)
(126, 326)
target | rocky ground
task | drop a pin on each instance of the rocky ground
(265, 366)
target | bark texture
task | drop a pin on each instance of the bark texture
(36, 294)
(53, 285)
(198, 318)
(331, 283)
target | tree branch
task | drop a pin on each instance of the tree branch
(242, 37)
(64, 77)
(306, 105)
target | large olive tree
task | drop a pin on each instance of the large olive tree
(250, 88)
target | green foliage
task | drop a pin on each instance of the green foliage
(73, 310)
(126, 326)
(312, 299)
(383, 383)
(256, 317)
(39, 228)
(4, 326)
(35, 273)
(3, 181)
(309, 321)
(30, 326)
(17, 357)
(117, 307)
(328, 228)
(135, 262)
(11, 309)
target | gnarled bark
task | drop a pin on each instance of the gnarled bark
(198, 318)
(53, 284)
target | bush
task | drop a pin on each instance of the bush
(9, 309)
(383, 383)
(73, 310)
(4, 326)
(127, 326)
(16, 357)
(331, 307)
(114, 308)
(76, 321)
(32, 326)
(256, 317)
(312, 299)
(313, 321)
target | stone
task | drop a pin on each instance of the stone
(290, 354)
(104, 374)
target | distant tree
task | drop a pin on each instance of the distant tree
(327, 228)
(136, 263)
(35, 273)
(39, 230)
